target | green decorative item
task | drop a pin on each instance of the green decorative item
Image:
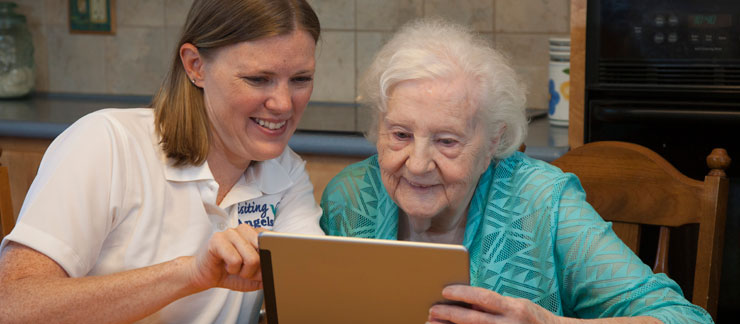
(92, 16)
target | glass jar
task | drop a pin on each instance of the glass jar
(16, 53)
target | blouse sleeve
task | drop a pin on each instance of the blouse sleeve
(601, 277)
(333, 206)
(350, 202)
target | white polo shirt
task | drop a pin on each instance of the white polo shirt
(106, 199)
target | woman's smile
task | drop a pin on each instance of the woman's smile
(273, 126)
(420, 187)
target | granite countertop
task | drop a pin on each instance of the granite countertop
(47, 115)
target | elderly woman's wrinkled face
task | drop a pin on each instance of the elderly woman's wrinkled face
(432, 147)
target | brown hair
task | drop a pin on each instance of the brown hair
(179, 109)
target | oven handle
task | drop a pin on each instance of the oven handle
(622, 114)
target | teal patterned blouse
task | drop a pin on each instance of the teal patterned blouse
(530, 234)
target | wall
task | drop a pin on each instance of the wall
(134, 60)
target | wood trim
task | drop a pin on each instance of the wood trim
(22, 157)
(7, 219)
(322, 168)
(711, 238)
(577, 72)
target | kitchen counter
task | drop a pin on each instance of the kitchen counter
(44, 116)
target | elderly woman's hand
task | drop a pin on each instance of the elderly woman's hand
(229, 261)
(487, 307)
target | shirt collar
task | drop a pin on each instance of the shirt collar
(187, 172)
(269, 176)
(265, 177)
(261, 178)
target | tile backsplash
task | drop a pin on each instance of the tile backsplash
(135, 59)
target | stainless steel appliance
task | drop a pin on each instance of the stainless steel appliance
(666, 74)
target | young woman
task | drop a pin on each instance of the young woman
(153, 214)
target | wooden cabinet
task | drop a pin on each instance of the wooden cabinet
(22, 156)
(322, 168)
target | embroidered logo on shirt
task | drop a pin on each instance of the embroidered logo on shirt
(257, 213)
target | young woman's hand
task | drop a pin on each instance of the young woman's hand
(231, 260)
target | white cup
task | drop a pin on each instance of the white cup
(560, 49)
(559, 41)
(559, 89)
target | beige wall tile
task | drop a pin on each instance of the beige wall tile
(524, 49)
(492, 37)
(387, 14)
(176, 11)
(40, 57)
(335, 14)
(134, 61)
(78, 63)
(368, 44)
(364, 116)
(148, 13)
(328, 117)
(56, 12)
(549, 16)
(171, 37)
(535, 78)
(488, 37)
(335, 67)
(478, 14)
(529, 54)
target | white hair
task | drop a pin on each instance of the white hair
(436, 49)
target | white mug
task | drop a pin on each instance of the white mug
(559, 90)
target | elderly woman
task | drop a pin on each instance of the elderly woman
(449, 117)
(153, 214)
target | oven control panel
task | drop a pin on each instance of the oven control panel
(667, 29)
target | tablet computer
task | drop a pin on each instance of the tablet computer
(329, 279)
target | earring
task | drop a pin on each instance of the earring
(192, 80)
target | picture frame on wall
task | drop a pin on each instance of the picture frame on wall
(92, 16)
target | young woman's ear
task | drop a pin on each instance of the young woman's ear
(192, 61)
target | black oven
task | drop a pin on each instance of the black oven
(666, 74)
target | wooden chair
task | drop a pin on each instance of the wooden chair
(7, 220)
(630, 185)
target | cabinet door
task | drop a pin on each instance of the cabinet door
(22, 157)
